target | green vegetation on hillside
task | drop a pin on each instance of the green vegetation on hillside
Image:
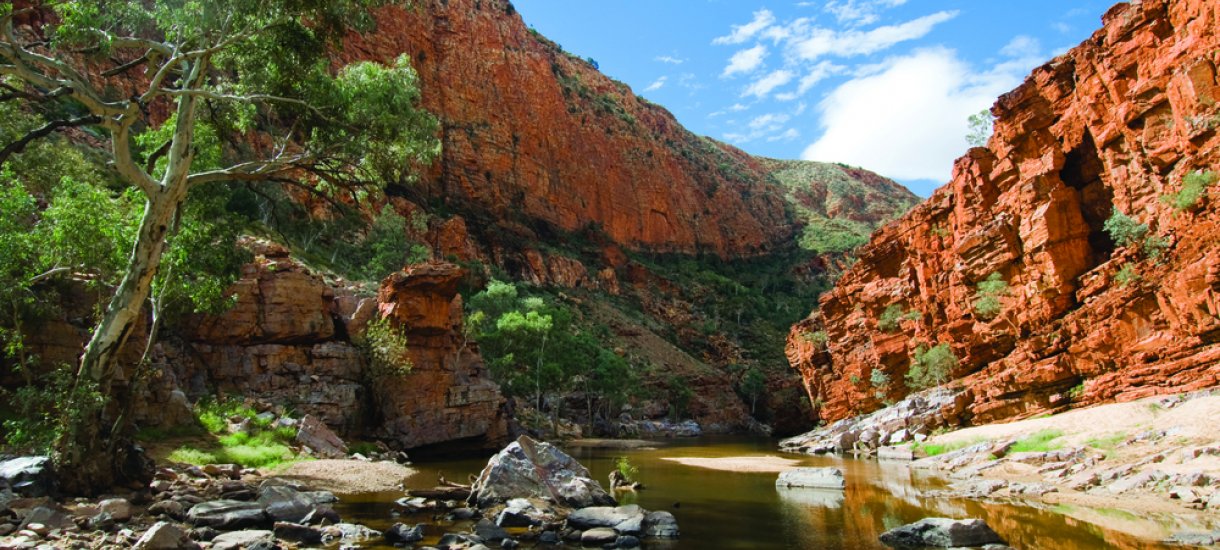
(537, 347)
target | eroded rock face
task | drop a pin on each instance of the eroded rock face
(448, 395)
(1112, 125)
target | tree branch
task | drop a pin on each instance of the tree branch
(120, 144)
(46, 130)
(150, 165)
(250, 171)
(127, 66)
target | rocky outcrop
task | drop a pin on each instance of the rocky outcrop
(1114, 125)
(448, 395)
(529, 468)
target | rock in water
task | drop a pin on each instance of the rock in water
(29, 476)
(813, 478)
(529, 468)
(942, 532)
(400, 533)
(628, 520)
(660, 525)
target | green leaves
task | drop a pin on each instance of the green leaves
(987, 304)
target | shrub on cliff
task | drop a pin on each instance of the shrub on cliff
(930, 367)
(987, 295)
(892, 317)
(1194, 187)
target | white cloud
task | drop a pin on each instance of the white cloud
(737, 107)
(745, 61)
(908, 120)
(1022, 46)
(657, 85)
(821, 41)
(818, 73)
(860, 12)
(741, 33)
(669, 60)
(788, 135)
(763, 86)
(770, 120)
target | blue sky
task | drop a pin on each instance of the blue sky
(883, 84)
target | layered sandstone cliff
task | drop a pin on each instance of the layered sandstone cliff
(1113, 125)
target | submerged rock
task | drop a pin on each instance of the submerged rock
(941, 532)
(813, 478)
(529, 468)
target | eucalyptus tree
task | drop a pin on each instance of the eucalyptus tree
(258, 72)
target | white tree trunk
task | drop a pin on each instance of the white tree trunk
(98, 360)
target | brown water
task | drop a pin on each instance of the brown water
(717, 509)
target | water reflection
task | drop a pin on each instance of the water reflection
(717, 509)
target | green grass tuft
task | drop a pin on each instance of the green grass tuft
(933, 449)
(1039, 442)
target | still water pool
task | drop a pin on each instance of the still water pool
(719, 509)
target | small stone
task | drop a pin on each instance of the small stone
(171, 508)
(238, 540)
(164, 536)
(598, 535)
(509, 543)
(548, 537)
(118, 508)
(38, 529)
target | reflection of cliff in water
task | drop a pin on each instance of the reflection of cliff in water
(881, 496)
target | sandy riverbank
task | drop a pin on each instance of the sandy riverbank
(346, 476)
(1154, 456)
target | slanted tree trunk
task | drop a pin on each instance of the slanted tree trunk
(91, 456)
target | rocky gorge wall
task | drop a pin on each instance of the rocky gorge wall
(293, 339)
(1114, 125)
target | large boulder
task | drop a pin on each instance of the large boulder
(813, 478)
(529, 468)
(29, 476)
(942, 532)
(285, 503)
(227, 515)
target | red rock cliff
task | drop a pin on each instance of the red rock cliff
(532, 134)
(1113, 125)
